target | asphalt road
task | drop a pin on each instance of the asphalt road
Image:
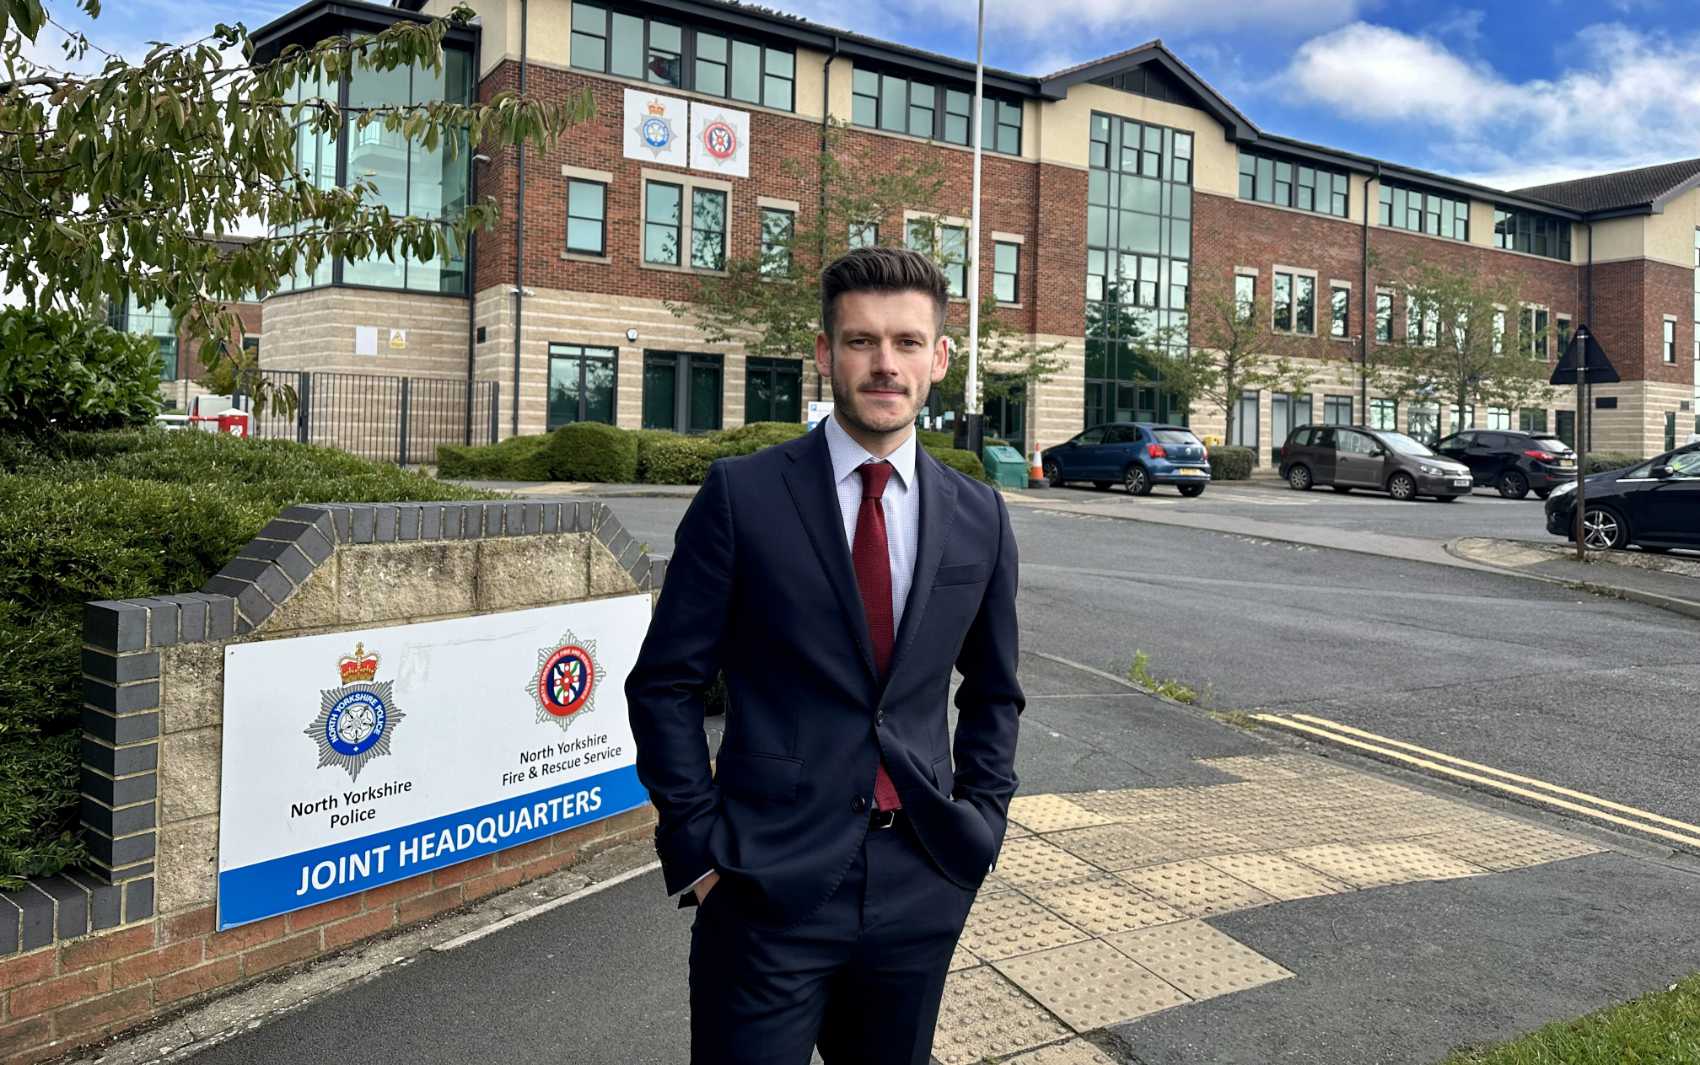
(1589, 693)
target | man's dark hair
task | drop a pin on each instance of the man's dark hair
(880, 270)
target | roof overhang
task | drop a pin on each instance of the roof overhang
(1235, 125)
(313, 22)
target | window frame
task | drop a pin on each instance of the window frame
(1397, 210)
(941, 110)
(1668, 340)
(755, 365)
(601, 251)
(1383, 316)
(1285, 179)
(689, 186)
(777, 266)
(690, 58)
(584, 356)
(1339, 310)
(679, 226)
(1296, 279)
(1014, 275)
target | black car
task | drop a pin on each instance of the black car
(1514, 463)
(1655, 505)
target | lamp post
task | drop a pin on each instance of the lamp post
(972, 433)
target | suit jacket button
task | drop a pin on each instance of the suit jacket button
(859, 805)
(879, 719)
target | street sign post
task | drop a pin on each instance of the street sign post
(1583, 363)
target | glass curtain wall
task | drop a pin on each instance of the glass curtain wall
(1138, 265)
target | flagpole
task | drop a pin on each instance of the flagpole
(971, 391)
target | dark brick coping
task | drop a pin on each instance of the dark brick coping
(122, 638)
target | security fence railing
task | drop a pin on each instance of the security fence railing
(379, 416)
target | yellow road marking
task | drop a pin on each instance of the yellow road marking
(1459, 774)
(1583, 796)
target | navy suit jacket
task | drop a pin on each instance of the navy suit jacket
(760, 585)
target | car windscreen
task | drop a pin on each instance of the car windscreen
(1174, 436)
(1550, 443)
(1405, 445)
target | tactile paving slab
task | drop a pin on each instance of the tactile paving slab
(1196, 889)
(1052, 813)
(1114, 847)
(962, 958)
(1505, 844)
(1090, 985)
(1034, 862)
(1276, 876)
(1426, 861)
(1102, 904)
(1198, 959)
(1133, 804)
(1009, 923)
(1371, 865)
(984, 1015)
(1073, 1052)
(1195, 840)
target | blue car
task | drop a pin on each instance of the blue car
(1139, 455)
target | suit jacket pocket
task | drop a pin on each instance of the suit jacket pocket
(943, 777)
(968, 573)
(759, 777)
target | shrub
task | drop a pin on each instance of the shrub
(1601, 461)
(748, 439)
(117, 515)
(1230, 463)
(518, 458)
(64, 371)
(935, 438)
(961, 461)
(668, 458)
(591, 451)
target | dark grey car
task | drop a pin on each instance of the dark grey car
(1344, 457)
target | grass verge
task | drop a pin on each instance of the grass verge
(1662, 1028)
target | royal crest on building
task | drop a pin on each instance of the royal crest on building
(355, 720)
(564, 685)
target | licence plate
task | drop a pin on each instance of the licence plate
(1186, 471)
(1460, 482)
(1566, 464)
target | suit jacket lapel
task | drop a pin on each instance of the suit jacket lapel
(809, 480)
(938, 510)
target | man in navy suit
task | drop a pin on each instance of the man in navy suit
(836, 580)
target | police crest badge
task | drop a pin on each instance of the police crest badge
(355, 720)
(564, 686)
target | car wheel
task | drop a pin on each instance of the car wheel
(1603, 529)
(1342, 488)
(1513, 485)
(1542, 493)
(1100, 485)
(1402, 486)
(1137, 481)
(1299, 478)
(1192, 491)
(1053, 474)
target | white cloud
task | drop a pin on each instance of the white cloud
(1629, 98)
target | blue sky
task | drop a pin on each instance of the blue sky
(1511, 93)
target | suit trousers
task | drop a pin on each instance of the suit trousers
(861, 977)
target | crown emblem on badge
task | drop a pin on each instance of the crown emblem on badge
(359, 666)
(656, 109)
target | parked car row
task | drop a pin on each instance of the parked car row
(1655, 506)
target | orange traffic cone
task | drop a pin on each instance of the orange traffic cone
(1036, 474)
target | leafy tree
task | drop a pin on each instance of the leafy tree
(128, 179)
(1228, 347)
(769, 301)
(1464, 342)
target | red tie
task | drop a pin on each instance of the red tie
(872, 561)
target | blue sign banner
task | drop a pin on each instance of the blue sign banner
(294, 881)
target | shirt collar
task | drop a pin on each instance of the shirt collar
(847, 454)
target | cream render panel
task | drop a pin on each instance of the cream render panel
(1065, 134)
(1617, 238)
(812, 76)
(1670, 234)
(1481, 223)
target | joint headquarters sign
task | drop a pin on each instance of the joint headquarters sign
(675, 132)
(356, 759)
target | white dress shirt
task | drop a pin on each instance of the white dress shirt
(901, 502)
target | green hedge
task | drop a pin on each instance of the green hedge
(748, 439)
(117, 515)
(63, 371)
(591, 451)
(1601, 461)
(961, 461)
(668, 458)
(1230, 463)
(519, 458)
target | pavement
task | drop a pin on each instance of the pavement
(1174, 889)
(1670, 582)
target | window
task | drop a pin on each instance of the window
(1288, 410)
(897, 104)
(1339, 299)
(587, 217)
(1245, 295)
(1460, 424)
(953, 258)
(1498, 332)
(1384, 316)
(773, 390)
(1423, 422)
(1295, 303)
(1265, 179)
(1670, 428)
(1283, 303)
(1245, 422)
(1384, 414)
(1533, 339)
(1532, 420)
(1424, 212)
(681, 391)
(1670, 341)
(1534, 232)
(1006, 412)
(661, 223)
(1566, 426)
(653, 50)
(157, 322)
(777, 229)
(1422, 324)
(581, 384)
(1563, 335)
(708, 229)
(1499, 418)
(1006, 271)
(1336, 410)
(864, 234)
